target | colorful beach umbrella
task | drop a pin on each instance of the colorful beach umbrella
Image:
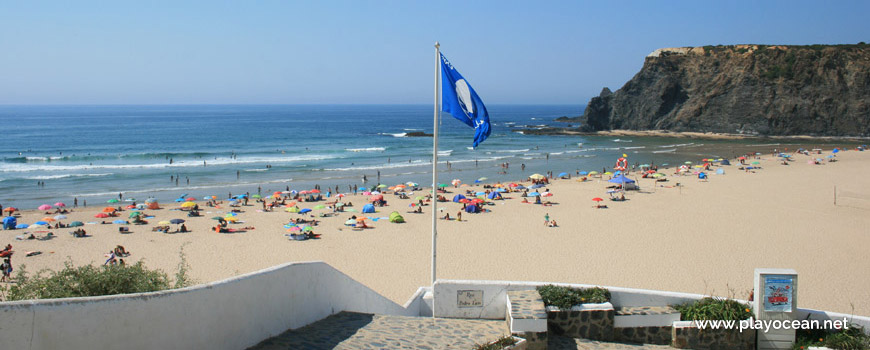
(48, 219)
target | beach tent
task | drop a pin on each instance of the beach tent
(396, 217)
(9, 223)
(458, 198)
(472, 209)
(368, 208)
(153, 205)
(621, 179)
(725, 162)
(494, 195)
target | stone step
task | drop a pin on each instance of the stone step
(644, 324)
(644, 316)
(566, 343)
(351, 330)
(527, 317)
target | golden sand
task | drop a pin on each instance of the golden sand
(703, 237)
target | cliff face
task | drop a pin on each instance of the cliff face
(743, 89)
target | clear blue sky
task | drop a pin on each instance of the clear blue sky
(525, 52)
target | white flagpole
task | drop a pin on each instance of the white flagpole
(435, 158)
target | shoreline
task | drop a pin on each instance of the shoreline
(701, 237)
(688, 134)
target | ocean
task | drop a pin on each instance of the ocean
(93, 153)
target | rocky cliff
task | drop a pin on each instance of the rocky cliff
(820, 90)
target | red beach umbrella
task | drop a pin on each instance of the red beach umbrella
(190, 199)
(59, 205)
(314, 191)
(10, 209)
(44, 207)
(597, 199)
(101, 215)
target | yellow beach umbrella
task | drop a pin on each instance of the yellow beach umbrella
(164, 223)
(536, 176)
(188, 205)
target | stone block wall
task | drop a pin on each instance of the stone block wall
(643, 335)
(579, 322)
(694, 338)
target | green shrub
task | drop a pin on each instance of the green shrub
(498, 344)
(852, 338)
(714, 309)
(87, 280)
(566, 297)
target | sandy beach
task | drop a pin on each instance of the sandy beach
(703, 237)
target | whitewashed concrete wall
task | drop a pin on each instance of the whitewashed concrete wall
(495, 296)
(231, 314)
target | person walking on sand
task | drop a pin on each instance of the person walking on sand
(546, 219)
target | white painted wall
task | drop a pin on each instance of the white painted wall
(493, 291)
(232, 314)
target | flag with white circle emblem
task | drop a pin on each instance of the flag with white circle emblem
(459, 99)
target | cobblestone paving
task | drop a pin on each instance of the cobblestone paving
(350, 330)
(645, 310)
(527, 304)
(565, 343)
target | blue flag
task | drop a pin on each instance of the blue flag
(458, 98)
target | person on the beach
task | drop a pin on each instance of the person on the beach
(459, 216)
(546, 218)
(6, 268)
(111, 259)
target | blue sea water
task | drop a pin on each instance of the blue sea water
(94, 152)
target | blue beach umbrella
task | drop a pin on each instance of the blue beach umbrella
(40, 223)
(584, 173)
(119, 222)
(536, 186)
(563, 174)
(22, 226)
(303, 211)
(176, 221)
(533, 194)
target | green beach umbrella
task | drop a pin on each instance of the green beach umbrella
(756, 162)
(112, 201)
(217, 218)
(256, 196)
(442, 185)
(134, 214)
(339, 204)
(687, 162)
(593, 172)
(420, 198)
(319, 206)
(76, 224)
(382, 186)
